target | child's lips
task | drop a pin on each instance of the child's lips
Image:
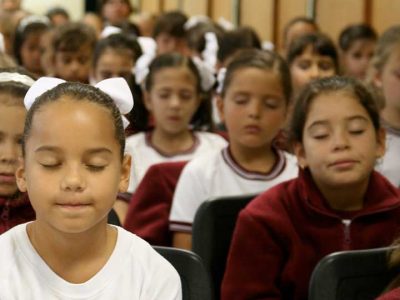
(8, 178)
(252, 128)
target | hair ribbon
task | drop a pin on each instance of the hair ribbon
(117, 88)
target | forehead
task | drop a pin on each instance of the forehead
(335, 105)
(250, 77)
(362, 45)
(174, 76)
(310, 52)
(68, 117)
(114, 56)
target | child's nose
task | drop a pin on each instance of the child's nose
(340, 140)
(254, 109)
(8, 152)
(314, 72)
(73, 179)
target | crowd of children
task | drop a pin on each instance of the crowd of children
(154, 118)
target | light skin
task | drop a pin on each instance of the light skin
(73, 65)
(31, 53)
(254, 110)
(114, 63)
(296, 30)
(388, 79)
(310, 66)
(12, 118)
(72, 178)
(172, 100)
(116, 11)
(355, 60)
(340, 146)
(166, 43)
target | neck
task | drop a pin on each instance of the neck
(391, 116)
(347, 198)
(74, 257)
(260, 159)
(172, 143)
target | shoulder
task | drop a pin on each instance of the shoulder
(144, 255)
(204, 160)
(210, 137)
(275, 202)
(11, 247)
(135, 139)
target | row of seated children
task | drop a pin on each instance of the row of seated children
(341, 85)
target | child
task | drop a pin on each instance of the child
(58, 16)
(72, 171)
(310, 57)
(169, 33)
(253, 104)
(383, 75)
(15, 207)
(27, 38)
(115, 12)
(295, 28)
(116, 56)
(73, 46)
(357, 44)
(338, 202)
(174, 92)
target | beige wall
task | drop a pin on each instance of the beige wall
(74, 7)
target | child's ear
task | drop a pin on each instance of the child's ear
(377, 79)
(20, 175)
(220, 107)
(125, 174)
(300, 154)
(147, 100)
(381, 141)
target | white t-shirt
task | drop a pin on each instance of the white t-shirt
(134, 271)
(216, 175)
(144, 154)
(389, 164)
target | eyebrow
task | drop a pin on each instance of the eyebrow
(325, 122)
(57, 149)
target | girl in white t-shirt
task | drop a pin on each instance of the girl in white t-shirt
(175, 92)
(73, 167)
(253, 103)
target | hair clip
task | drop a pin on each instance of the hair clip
(117, 88)
(210, 51)
(16, 77)
(220, 80)
(32, 19)
(206, 74)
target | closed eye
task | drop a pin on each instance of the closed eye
(95, 168)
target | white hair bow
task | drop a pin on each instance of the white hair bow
(117, 88)
(220, 79)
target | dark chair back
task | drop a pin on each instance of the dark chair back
(355, 275)
(212, 231)
(113, 218)
(195, 279)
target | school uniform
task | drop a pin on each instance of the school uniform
(282, 234)
(149, 207)
(144, 153)
(392, 295)
(389, 164)
(14, 211)
(133, 271)
(217, 174)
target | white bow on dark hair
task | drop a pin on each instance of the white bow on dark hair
(117, 88)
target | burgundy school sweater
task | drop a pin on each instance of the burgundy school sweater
(392, 295)
(14, 211)
(283, 233)
(148, 213)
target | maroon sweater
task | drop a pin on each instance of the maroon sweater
(283, 233)
(148, 213)
(14, 211)
(392, 295)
